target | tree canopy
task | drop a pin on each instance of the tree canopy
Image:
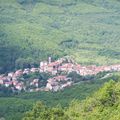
(102, 105)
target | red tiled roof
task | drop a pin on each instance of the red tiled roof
(8, 83)
(54, 63)
(60, 77)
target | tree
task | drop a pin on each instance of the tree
(22, 63)
(75, 77)
(103, 105)
(41, 112)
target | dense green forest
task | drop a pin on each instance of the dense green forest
(32, 30)
(15, 106)
(102, 105)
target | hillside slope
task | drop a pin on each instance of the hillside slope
(102, 105)
(14, 107)
(36, 29)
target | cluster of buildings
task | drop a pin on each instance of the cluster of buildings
(13, 79)
(59, 69)
(64, 65)
(58, 83)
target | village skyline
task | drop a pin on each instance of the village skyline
(59, 69)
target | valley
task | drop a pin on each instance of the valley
(59, 59)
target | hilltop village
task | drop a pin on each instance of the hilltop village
(59, 71)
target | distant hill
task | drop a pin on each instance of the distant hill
(32, 30)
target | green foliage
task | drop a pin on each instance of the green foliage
(110, 53)
(37, 29)
(5, 91)
(8, 55)
(42, 78)
(13, 109)
(78, 78)
(69, 44)
(41, 112)
(15, 106)
(22, 63)
(75, 77)
(101, 106)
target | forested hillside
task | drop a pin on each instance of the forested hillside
(14, 107)
(88, 31)
(103, 105)
(32, 30)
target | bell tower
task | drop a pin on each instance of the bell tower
(49, 60)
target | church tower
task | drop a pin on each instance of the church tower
(49, 60)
